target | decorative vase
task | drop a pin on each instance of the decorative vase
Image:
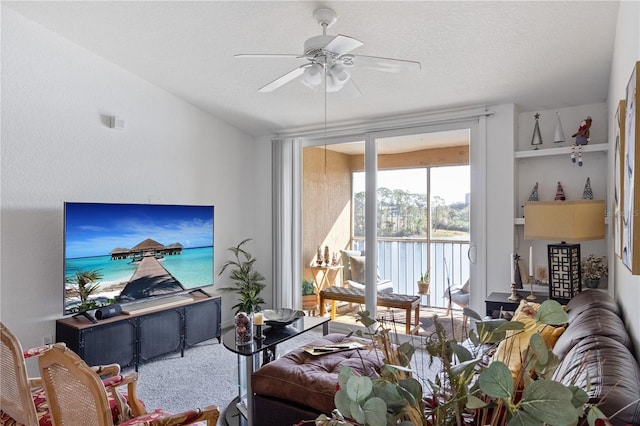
(244, 329)
(592, 282)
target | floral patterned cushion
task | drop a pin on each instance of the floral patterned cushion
(158, 417)
(42, 409)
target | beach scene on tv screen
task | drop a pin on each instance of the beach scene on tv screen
(119, 253)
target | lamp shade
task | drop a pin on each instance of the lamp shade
(573, 221)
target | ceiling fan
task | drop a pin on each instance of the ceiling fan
(328, 60)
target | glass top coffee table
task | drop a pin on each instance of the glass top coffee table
(240, 411)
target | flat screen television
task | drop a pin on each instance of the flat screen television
(123, 253)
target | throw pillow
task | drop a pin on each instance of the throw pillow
(357, 268)
(346, 263)
(511, 350)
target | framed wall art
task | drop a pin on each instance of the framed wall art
(618, 178)
(631, 183)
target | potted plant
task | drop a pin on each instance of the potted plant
(248, 282)
(466, 390)
(424, 283)
(309, 296)
(593, 269)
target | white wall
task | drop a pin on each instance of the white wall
(625, 55)
(57, 146)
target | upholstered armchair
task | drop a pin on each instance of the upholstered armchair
(22, 399)
(77, 395)
(353, 263)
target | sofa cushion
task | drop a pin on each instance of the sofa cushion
(598, 321)
(606, 369)
(309, 380)
(357, 266)
(588, 299)
(510, 350)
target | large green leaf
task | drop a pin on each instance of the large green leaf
(522, 418)
(357, 413)
(359, 388)
(343, 402)
(539, 348)
(549, 402)
(471, 314)
(551, 313)
(473, 402)
(496, 381)
(462, 353)
(375, 410)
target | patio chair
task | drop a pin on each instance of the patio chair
(353, 263)
(22, 399)
(458, 295)
(77, 395)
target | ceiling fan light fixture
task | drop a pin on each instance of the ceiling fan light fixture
(312, 76)
(337, 77)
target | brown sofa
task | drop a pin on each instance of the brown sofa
(299, 386)
(596, 350)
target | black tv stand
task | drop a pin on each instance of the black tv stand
(87, 315)
(199, 290)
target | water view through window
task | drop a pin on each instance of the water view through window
(416, 231)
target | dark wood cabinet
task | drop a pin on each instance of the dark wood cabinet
(136, 338)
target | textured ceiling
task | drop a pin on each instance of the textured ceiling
(539, 55)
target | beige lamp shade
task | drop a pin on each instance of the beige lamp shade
(572, 221)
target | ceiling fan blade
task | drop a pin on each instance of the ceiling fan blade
(351, 90)
(385, 64)
(267, 55)
(342, 44)
(280, 81)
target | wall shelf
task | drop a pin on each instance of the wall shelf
(520, 220)
(598, 147)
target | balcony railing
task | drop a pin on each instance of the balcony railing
(403, 260)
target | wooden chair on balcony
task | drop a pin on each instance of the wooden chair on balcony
(77, 395)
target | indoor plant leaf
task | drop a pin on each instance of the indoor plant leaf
(496, 381)
(343, 402)
(461, 352)
(357, 413)
(522, 418)
(551, 313)
(547, 401)
(375, 410)
(473, 402)
(359, 388)
(539, 348)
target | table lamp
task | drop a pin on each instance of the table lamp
(565, 221)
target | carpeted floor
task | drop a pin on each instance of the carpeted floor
(208, 372)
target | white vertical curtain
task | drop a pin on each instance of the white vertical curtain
(287, 232)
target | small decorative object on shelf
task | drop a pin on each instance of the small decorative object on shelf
(588, 192)
(244, 329)
(560, 193)
(534, 193)
(326, 255)
(334, 259)
(512, 262)
(517, 279)
(582, 138)
(593, 269)
(558, 137)
(536, 139)
(319, 257)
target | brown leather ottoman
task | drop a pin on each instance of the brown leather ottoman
(300, 386)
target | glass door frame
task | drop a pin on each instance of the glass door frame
(477, 163)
